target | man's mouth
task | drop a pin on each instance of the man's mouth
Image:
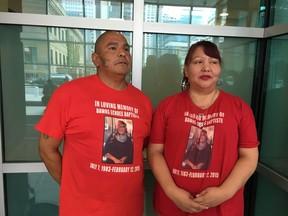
(122, 62)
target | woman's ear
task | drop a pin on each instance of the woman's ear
(184, 71)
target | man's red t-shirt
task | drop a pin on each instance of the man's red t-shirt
(84, 112)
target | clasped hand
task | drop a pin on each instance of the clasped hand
(116, 160)
(210, 197)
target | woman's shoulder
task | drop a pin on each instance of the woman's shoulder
(235, 101)
(231, 97)
(174, 99)
(169, 104)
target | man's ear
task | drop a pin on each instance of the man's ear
(95, 59)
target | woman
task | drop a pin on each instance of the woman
(119, 146)
(229, 121)
(198, 155)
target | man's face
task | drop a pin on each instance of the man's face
(113, 55)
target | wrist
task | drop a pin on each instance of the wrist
(227, 192)
(170, 190)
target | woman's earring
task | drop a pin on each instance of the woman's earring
(185, 83)
(220, 81)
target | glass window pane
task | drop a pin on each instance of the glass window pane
(176, 15)
(29, 6)
(203, 16)
(31, 194)
(238, 67)
(150, 13)
(230, 13)
(66, 8)
(109, 9)
(149, 181)
(248, 13)
(274, 148)
(279, 12)
(277, 202)
(164, 57)
(34, 56)
(115, 9)
(35, 194)
(162, 74)
(92, 9)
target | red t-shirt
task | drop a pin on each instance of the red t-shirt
(226, 126)
(85, 113)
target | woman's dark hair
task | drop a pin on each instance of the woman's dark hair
(210, 49)
(122, 123)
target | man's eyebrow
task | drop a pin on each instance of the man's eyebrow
(117, 43)
(112, 43)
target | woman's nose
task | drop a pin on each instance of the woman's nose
(206, 66)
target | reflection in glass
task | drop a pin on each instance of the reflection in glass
(205, 16)
(248, 13)
(164, 56)
(229, 13)
(274, 148)
(279, 12)
(162, 68)
(272, 206)
(37, 194)
(172, 14)
(92, 9)
(31, 194)
(37, 60)
(29, 6)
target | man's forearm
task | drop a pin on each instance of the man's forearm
(53, 163)
(48, 148)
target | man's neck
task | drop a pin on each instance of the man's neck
(116, 83)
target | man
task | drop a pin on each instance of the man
(77, 114)
(48, 90)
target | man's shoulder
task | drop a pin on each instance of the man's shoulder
(84, 79)
(136, 91)
(78, 83)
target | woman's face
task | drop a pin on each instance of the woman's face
(203, 137)
(203, 71)
(121, 129)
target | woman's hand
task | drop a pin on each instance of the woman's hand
(211, 197)
(185, 201)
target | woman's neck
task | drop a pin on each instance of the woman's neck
(203, 100)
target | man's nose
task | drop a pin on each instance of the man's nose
(122, 53)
